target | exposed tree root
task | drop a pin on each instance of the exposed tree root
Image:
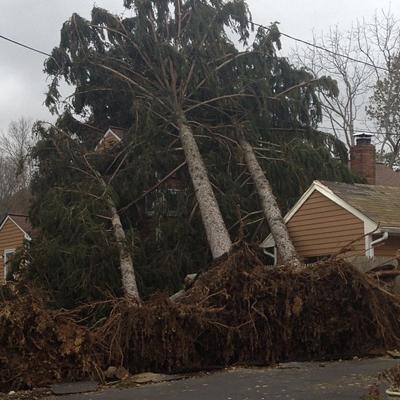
(240, 311)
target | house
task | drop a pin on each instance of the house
(112, 137)
(14, 230)
(332, 216)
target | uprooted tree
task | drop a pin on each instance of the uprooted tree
(171, 74)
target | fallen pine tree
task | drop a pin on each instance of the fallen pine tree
(239, 311)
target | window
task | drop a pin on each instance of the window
(7, 259)
(163, 202)
(171, 202)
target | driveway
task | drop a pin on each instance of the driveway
(339, 380)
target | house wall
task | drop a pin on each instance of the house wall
(11, 237)
(388, 248)
(321, 227)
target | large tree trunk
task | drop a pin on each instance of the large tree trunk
(125, 259)
(270, 206)
(217, 234)
(128, 278)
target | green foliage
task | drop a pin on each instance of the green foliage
(138, 73)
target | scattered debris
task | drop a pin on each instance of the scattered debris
(151, 377)
(34, 394)
(120, 373)
(393, 353)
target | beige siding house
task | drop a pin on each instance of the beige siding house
(350, 219)
(14, 230)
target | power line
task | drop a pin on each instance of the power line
(254, 23)
(25, 46)
(324, 48)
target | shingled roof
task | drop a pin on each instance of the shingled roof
(386, 176)
(379, 203)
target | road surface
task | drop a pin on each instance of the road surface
(345, 380)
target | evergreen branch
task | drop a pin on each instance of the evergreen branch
(221, 66)
(298, 86)
(129, 38)
(131, 81)
(61, 189)
(228, 96)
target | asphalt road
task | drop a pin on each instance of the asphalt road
(346, 380)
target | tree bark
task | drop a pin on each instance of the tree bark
(270, 206)
(125, 259)
(217, 234)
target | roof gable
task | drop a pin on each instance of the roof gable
(115, 133)
(20, 221)
(369, 224)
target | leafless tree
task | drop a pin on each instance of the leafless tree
(379, 41)
(15, 146)
(364, 61)
(8, 183)
(343, 113)
(15, 163)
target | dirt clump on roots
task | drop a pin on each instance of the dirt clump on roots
(241, 311)
(238, 312)
(40, 345)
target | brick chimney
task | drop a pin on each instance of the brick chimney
(363, 157)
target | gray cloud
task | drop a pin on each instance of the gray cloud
(38, 22)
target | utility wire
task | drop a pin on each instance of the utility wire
(25, 46)
(324, 48)
(254, 23)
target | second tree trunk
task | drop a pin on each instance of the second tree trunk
(270, 206)
(217, 234)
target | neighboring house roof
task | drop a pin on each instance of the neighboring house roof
(21, 221)
(117, 131)
(114, 133)
(377, 206)
(379, 203)
(386, 176)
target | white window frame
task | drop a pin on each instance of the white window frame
(5, 260)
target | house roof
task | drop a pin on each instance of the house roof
(386, 176)
(379, 203)
(117, 133)
(377, 206)
(21, 221)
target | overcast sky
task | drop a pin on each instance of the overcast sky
(38, 22)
